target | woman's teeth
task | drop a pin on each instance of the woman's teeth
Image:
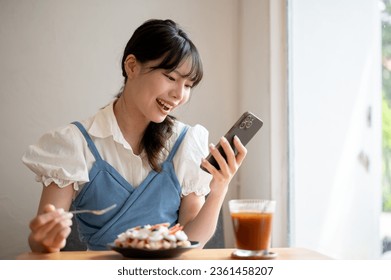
(164, 105)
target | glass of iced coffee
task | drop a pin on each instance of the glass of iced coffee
(252, 221)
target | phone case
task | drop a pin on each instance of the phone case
(245, 128)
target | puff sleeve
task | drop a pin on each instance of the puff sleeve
(188, 159)
(59, 156)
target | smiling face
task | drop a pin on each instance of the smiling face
(151, 94)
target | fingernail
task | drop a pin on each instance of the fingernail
(60, 210)
(223, 139)
(211, 146)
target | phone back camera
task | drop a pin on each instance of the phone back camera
(247, 123)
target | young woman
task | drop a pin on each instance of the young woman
(134, 154)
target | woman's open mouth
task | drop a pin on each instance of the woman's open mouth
(165, 106)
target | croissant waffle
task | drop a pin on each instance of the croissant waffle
(153, 237)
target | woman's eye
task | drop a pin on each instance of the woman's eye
(170, 77)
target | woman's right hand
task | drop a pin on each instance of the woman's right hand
(50, 229)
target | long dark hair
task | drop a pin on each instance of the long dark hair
(156, 39)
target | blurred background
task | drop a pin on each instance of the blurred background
(386, 124)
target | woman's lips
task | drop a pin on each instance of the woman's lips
(164, 105)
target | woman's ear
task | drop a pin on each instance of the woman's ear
(130, 65)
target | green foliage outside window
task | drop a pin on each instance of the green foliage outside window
(386, 108)
(386, 112)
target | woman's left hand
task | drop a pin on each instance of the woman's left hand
(199, 216)
(229, 167)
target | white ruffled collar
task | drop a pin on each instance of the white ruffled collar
(105, 125)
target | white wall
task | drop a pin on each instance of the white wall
(335, 77)
(61, 62)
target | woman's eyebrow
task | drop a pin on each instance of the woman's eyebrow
(185, 76)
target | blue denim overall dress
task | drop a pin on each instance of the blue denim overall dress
(155, 200)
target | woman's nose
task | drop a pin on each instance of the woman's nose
(177, 92)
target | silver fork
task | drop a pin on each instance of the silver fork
(95, 212)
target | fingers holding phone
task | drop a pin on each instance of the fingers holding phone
(237, 137)
(227, 161)
(222, 155)
(242, 151)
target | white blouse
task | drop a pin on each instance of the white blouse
(63, 157)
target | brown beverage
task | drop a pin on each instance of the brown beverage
(252, 230)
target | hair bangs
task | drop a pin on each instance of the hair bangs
(174, 58)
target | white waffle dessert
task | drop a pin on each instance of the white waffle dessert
(153, 237)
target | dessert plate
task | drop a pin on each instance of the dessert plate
(152, 254)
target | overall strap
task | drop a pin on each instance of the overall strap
(177, 143)
(90, 143)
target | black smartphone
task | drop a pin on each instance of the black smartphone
(245, 128)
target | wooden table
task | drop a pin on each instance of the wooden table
(196, 254)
